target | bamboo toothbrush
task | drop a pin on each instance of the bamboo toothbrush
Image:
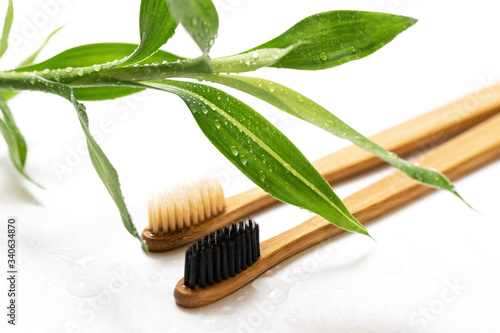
(181, 216)
(455, 158)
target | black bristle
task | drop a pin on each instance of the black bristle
(187, 265)
(210, 265)
(248, 246)
(194, 269)
(224, 261)
(221, 254)
(217, 262)
(231, 258)
(203, 266)
(244, 249)
(257, 241)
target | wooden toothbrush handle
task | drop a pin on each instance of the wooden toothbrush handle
(454, 158)
(431, 128)
(421, 132)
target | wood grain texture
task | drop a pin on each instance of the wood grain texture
(454, 158)
(429, 129)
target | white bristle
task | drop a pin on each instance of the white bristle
(185, 205)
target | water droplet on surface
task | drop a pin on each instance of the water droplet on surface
(80, 72)
(300, 98)
(154, 278)
(46, 71)
(271, 289)
(234, 150)
(294, 322)
(217, 123)
(243, 159)
(78, 257)
(69, 69)
(97, 68)
(335, 312)
(255, 54)
(212, 323)
(262, 175)
(84, 287)
(45, 270)
(204, 110)
(319, 320)
(323, 56)
(319, 294)
(228, 309)
(337, 284)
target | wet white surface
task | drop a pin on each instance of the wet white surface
(434, 265)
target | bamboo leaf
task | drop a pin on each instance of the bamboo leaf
(156, 26)
(11, 124)
(250, 61)
(237, 63)
(106, 171)
(302, 107)
(99, 53)
(14, 139)
(199, 18)
(260, 151)
(103, 93)
(28, 61)
(336, 37)
(9, 16)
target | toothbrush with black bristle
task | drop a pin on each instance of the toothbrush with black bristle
(222, 254)
(180, 216)
(201, 285)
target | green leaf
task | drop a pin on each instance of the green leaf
(237, 63)
(28, 61)
(199, 18)
(107, 173)
(11, 124)
(14, 139)
(103, 93)
(9, 16)
(250, 61)
(302, 107)
(260, 151)
(88, 55)
(117, 76)
(156, 26)
(91, 54)
(336, 37)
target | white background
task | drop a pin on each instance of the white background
(72, 231)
